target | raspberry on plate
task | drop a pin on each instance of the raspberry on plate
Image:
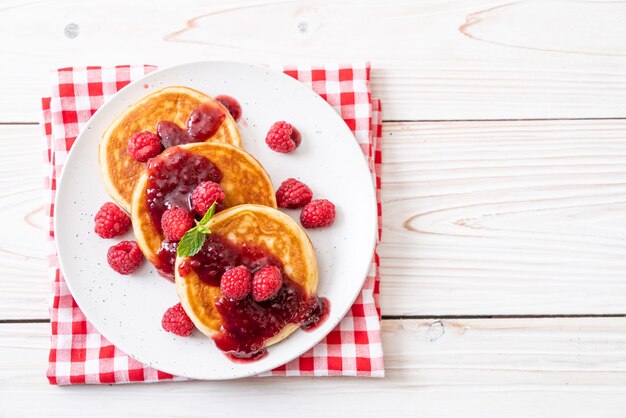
(266, 283)
(111, 221)
(176, 321)
(317, 214)
(175, 222)
(283, 137)
(236, 283)
(144, 145)
(293, 194)
(204, 195)
(125, 257)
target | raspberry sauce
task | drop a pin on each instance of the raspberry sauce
(231, 104)
(204, 121)
(202, 124)
(167, 258)
(247, 324)
(171, 134)
(172, 177)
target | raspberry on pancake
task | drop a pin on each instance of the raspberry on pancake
(204, 195)
(266, 283)
(236, 283)
(175, 222)
(143, 145)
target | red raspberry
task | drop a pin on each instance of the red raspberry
(175, 222)
(236, 283)
(176, 321)
(266, 283)
(111, 221)
(143, 145)
(293, 194)
(205, 194)
(317, 214)
(283, 137)
(125, 257)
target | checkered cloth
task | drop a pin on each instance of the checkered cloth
(79, 354)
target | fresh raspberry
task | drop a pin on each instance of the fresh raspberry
(176, 321)
(125, 257)
(143, 145)
(293, 194)
(175, 222)
(317, 214)
(236, 283)
(111, 221)
(204, 195)
(283, 137)
(266, 283)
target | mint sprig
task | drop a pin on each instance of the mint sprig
(193, 240)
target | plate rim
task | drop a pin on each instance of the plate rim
(371, 192)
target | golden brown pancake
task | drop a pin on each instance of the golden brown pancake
(244, 181)
(260, 226)
(119, 171)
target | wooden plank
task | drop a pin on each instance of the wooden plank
(476, 59)
(475, 368)
(504, 218)
(480, 218)
(24, 288)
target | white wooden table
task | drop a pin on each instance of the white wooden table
(504, 192)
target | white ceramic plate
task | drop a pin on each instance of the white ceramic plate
(127, 310)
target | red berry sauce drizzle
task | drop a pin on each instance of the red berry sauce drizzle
(171, 134)
(172, 177)
(204, 121)
(202, 124)
(247, 324)
(232, 105)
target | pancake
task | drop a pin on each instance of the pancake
(174, 104)
(280, 237)
(243, 180)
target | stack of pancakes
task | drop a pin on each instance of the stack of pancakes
(249, 215)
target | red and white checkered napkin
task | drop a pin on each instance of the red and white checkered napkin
(79, 354)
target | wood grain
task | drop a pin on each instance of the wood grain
(24, 288)
(480, 218)
(472, 368)
(432, 60)
(504, 218)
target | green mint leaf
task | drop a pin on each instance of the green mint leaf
(203, 229)
(193, 240)
(191, 243)
(208, 215)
